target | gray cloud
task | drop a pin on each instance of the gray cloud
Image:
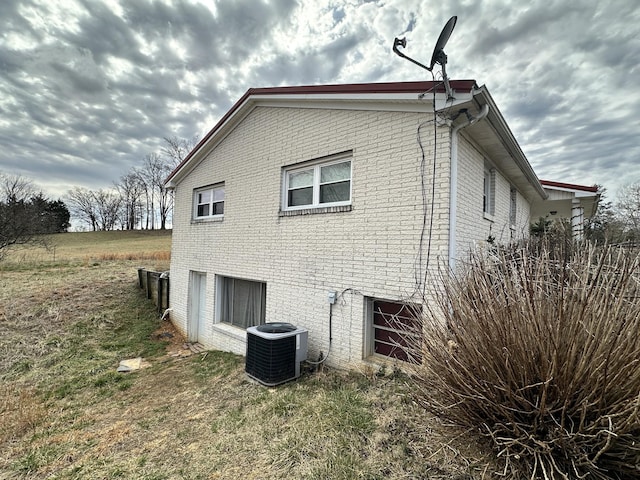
(88, 91)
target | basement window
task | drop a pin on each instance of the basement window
(240, 303)
(395, 329)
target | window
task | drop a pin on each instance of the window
(513, 197)
(396, 330)
(209, 202)
(489, 191)
(240, 303)
(317, 185)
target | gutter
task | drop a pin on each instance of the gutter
(453, 183)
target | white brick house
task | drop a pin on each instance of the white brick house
(352, 189)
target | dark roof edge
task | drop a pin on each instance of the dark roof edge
(570, 186)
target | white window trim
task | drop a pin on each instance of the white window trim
(195, 217)
(489, 192)
(513, 207)
(369, 340)
(316, 165)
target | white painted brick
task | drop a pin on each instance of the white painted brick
(372, 249)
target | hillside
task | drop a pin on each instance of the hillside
(65, 412)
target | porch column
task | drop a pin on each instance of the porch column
(577, 219)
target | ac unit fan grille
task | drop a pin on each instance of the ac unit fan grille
(271, 361)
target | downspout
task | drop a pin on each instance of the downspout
(453, 182)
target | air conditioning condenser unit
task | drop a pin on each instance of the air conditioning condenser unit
(274, 352)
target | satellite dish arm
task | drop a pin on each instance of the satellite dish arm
(403, 43)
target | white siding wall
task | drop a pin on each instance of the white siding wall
(371, 249)
(473, 227)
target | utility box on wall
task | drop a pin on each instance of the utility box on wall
(275, 352)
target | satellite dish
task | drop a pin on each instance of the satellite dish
(438, 51)
(438, 55)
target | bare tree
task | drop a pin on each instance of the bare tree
(98, 208)
(108, 205)
(149, 173)
(131, 191)
(82, 205)
(17, 226)
(628, 209)
(155, 170)
(176, 149)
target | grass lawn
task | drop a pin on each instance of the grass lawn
(65, 413)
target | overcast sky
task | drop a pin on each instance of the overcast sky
(89, 87)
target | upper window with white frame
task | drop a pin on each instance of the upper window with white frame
(513, 199)
(320, 184)
(208, 202)
(489, 189)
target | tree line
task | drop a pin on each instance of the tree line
(26, 214)
(138, 200)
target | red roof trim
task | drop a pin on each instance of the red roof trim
(572, 186)
(389, 87)
(350, 88)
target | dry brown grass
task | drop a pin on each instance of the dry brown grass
(21, 411)
(66, 414)
(89, 247)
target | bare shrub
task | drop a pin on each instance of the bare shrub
(538, 350)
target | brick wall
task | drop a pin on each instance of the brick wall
(473, 226)
(370, 251)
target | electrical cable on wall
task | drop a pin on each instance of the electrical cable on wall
(341, 294)
(427, 211)
(438, 57)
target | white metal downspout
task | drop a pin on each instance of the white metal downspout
(453, 184)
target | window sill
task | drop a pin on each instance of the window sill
(314, 211)
(236, 333)
(196, 221)
(488, 216)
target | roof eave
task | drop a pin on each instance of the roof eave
(413, 94)
(502, 131)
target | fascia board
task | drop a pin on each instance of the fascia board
(498, 123)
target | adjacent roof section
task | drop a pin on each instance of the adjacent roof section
(569, 186)
(562, 197)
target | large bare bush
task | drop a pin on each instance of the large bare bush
(539, 351)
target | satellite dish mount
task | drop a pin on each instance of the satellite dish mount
(438, 56)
